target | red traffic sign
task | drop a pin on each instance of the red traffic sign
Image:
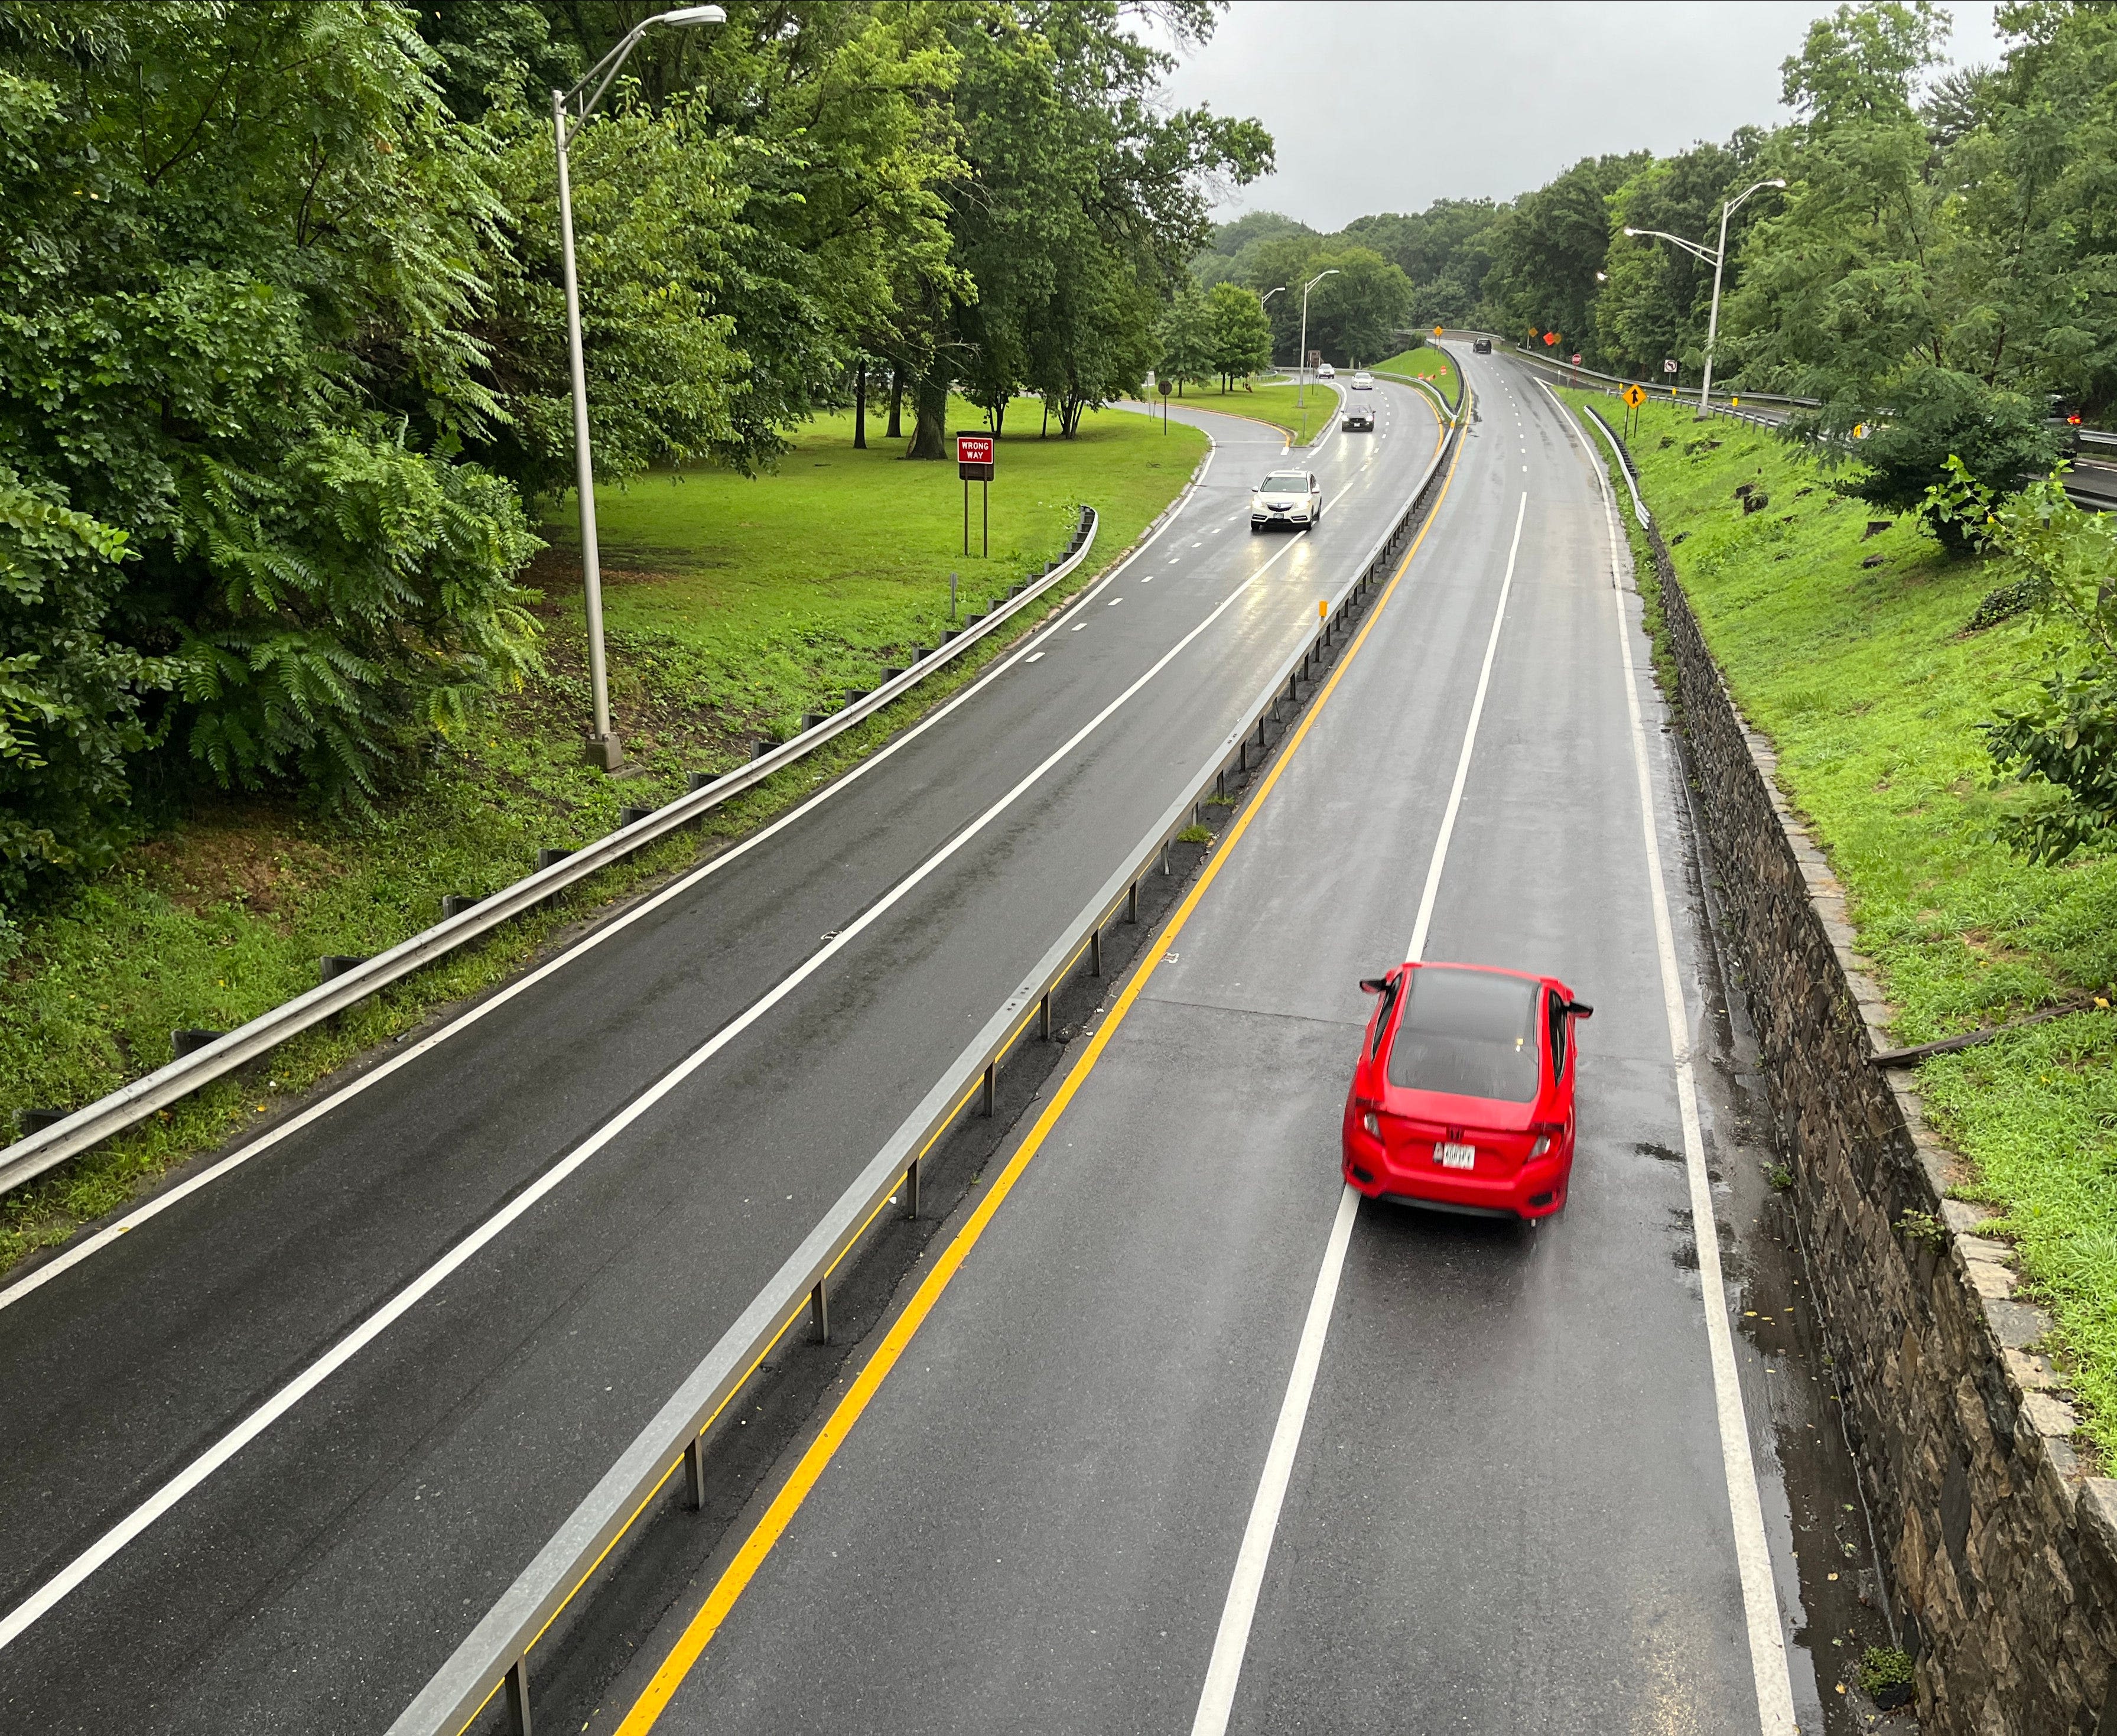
(1551, 337)
(1576, 358)
(974, 448)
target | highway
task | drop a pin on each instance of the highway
(1176, 1433)
(265, 1457)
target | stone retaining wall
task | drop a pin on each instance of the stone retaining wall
(2002, 1555)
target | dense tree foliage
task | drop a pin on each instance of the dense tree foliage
(282, 344)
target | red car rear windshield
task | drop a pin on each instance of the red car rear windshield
(1471, 1033)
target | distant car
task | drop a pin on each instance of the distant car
(1359, 406)
(1293, 498)
(1362, 379)
(1462, 1097)
(1324, 370)
(1480, 346)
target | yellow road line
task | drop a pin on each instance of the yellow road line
(736, 1578)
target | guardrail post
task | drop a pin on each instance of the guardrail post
(694, 1474)
(991, 1080)
(1220, 782)
(820, 1314)
(517, 1696)
(911, 1189)
(1095, 950)
(1043, 1017)
(1165, 870)
(1132, 902)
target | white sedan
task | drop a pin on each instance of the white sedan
(1293, 498)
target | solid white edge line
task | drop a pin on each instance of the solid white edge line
(69, 1578)
(35, 1280)
(1433, 887)
(1760, 1604)
(1216, 1698)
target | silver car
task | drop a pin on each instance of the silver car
(1293, 498)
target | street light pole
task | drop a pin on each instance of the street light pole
(603, 748)
(1718, 258)
(1301, 388)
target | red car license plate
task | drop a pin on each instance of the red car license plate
(1452, 1156)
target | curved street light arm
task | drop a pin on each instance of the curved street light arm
(610, 65)
(1705, 253)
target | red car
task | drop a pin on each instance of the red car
(1463, 1099)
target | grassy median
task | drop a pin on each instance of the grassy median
(1302, 424)
(734, 606)
(1426, 362)
(1856, 656)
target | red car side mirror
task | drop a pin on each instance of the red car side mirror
(1579, 1010)
(1374, 984)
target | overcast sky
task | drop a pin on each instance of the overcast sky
(1385, 106)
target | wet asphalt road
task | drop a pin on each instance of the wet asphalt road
(1509, 1511)
(315, 1579)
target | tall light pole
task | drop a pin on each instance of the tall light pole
(1717, 257)
(1301, 388)
(602, 745)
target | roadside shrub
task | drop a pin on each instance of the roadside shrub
(1998, 437)
(2063, 739)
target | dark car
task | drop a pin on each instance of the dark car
(1480, 346)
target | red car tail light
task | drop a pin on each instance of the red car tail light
(1545, 1133)
(1371, 1123)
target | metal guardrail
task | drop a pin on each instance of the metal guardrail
(132, 1103)
(1624, 465)
(493, 1658)
(1580, 376)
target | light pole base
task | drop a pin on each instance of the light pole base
(603, 752)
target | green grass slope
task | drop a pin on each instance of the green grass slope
(734, 606)
(1426, 362)
(1855, 656)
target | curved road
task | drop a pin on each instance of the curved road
(1194, 1440)
(265, 1458)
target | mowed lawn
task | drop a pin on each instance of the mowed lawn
(809, 578)
(734, 606)
(1872, 684)
(1302, 424)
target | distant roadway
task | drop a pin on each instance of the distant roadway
(1195, 1440)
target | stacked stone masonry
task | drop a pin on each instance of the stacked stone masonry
(2001, 1555)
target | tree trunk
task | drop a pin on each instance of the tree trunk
(860, 407)
(897, 403)
(929, 406)
(998, 421)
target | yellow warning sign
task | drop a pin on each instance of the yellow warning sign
(1634, 396)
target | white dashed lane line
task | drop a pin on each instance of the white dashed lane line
(1032, 656)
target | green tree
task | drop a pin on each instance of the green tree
(1187, 335)
(1081, 201)
(245, 252)
(2061, 741)
(1549, 246)
(1241, 333)
(1357, 314)
(1945, 422)
(1657, 300)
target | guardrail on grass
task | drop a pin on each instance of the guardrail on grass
(348, 981)
(493, 1658)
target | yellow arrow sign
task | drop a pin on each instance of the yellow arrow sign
(1634, 396)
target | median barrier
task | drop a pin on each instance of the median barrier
(493, 1660)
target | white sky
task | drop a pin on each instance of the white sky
(1386, 106)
